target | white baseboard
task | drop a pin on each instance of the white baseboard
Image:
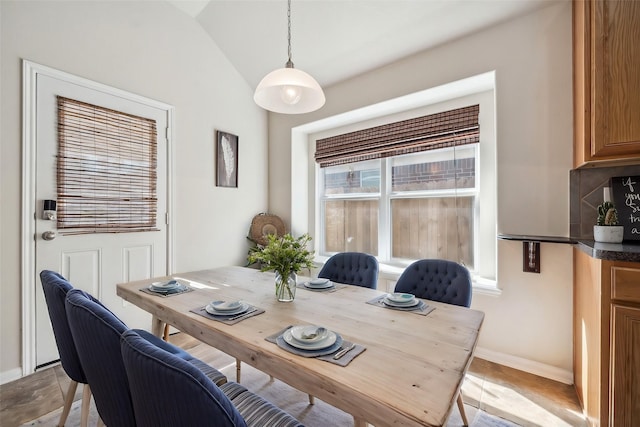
(12, 375)
(526, 365)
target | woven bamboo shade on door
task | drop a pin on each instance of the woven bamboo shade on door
(106, 171)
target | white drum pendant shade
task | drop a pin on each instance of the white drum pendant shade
(289, 91)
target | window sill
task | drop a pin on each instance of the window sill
(483, 286)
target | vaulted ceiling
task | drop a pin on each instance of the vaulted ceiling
(334, 40)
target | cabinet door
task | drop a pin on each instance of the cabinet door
(625, 369)
(606, 81)
(615, 97)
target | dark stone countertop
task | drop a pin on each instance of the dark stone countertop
(625, 251)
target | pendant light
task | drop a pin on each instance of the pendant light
(288, 90)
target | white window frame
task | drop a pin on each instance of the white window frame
(386, 195)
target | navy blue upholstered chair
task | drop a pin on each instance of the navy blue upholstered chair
(438, 280)
(96, 332)
(352, 268)
(55, 288)
(167, 391)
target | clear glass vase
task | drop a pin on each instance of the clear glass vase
(286, 289)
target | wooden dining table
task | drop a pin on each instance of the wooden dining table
(409, 375)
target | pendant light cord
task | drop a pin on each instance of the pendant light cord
(289, 62)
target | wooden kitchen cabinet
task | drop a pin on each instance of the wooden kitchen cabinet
(607, 340)
(625, 372)
(606, 62)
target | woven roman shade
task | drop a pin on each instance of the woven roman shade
(446, 129)
(106, 170)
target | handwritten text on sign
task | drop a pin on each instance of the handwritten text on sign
(626, 197)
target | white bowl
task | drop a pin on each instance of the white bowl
(401, 297)
(309, 333)
(226, 305)
(166, 285)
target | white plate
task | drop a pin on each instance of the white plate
(320, 281)
(413, 303)
(211, 310)
(327, 342)
(328, 284)
(401, 297)
(225, 305)
(163, 286)
(299, 333)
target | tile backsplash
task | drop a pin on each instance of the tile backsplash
(586, 193)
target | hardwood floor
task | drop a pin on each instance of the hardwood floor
(517, 396)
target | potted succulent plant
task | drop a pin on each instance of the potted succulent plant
(286, 256)
(607, 229)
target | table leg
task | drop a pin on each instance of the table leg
(156, 326)
(359, 422)
(165, 333)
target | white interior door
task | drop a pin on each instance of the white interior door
(92, 262)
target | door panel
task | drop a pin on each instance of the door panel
(83, 267)
(92, 262)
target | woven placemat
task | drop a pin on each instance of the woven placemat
(422, 308)
(343, 361)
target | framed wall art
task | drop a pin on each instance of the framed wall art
(226, 159)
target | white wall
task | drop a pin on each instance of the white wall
(530, 324)
(151, 49)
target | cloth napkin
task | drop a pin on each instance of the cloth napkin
(343, 361)
(229, 320)
(168, 293)
(421, 309)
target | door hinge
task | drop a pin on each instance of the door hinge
(167, 133)
(166, 218)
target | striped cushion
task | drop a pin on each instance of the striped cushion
(256, 411)
(217, 377)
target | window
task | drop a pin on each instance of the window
(308, 192)
(403, 208)
(402, 191)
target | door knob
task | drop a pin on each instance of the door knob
(49, 235)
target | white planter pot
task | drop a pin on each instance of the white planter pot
(608, 233)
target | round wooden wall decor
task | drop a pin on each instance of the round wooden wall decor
(264, 224)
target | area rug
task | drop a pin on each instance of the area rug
(291, 400)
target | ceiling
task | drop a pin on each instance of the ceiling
(334, 40)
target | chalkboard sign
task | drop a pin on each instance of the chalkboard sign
(626, 197)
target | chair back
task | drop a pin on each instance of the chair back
(55, 288)
(352, 268)
(168, 391)
(96, 332)
(437, 280)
